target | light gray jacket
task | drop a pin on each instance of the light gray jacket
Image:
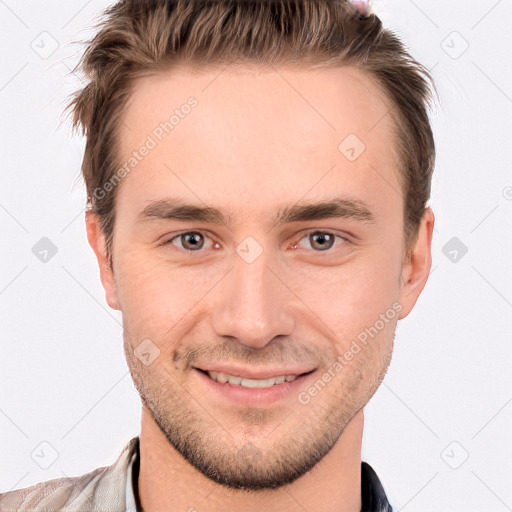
(103, 489)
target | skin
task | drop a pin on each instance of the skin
(250, 133)
(362, 7)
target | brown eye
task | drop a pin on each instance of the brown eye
(189, 241)
(321, 240)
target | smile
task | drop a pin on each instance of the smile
(250, 383)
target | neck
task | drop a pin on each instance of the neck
(168, 482)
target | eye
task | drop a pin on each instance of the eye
(192, 241)
(320, 240)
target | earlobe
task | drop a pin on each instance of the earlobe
(96, 239)
(416, 268)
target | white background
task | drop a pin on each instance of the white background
(448, 392)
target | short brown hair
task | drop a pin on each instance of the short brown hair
(140, 37)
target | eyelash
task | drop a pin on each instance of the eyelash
(294, 244)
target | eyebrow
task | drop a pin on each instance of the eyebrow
(178, 209)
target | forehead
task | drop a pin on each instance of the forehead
(254, 130)
(313, 102)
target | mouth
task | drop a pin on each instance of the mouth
(246, 382)
(271, 389)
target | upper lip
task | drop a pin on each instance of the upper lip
(254, 373)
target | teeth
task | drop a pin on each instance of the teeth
(250, 383)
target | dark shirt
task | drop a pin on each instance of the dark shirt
(372, 493)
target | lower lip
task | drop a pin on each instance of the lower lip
(253, 396)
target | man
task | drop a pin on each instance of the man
(257, 176)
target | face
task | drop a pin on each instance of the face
(218, 263)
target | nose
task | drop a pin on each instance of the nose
(253, 304)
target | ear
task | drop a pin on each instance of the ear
(416, 268)
(96, 239)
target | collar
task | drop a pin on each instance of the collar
(372, 492)
(373, 496)
(132, 477)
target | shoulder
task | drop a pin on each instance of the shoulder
(47, 495)
(104, 485)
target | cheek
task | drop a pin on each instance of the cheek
(154, 296)
(146, 296)
(355, 295)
